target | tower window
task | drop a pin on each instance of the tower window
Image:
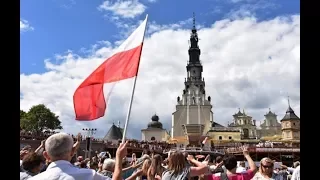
(220, 137)
(294, 124)
(153, 138)
(230, 137)
(194, 71)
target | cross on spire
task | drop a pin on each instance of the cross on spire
(289, 101)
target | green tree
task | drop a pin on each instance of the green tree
(23, 117)
(39, 118)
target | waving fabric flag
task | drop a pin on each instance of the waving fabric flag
(88, 99)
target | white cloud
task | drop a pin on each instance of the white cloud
(246, 8)
(152, 1)
(25, 26)
(248, 64)
(124, 9)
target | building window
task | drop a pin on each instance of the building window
(220, 137)
(153, 138)
(287, 134)
(230, 137)
(294, 124)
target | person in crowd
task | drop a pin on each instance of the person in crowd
(128, 171)
(59, 149)
(23, 153)
(291, 169)
(266, 170)
(144, 170)
(32, 164)
(178, 169)
(57, 160)
(296, 173)
(108, 167)
(93, 165)
(218, 167)
(83, 164)
(282, 174)
(140, 174)
(230, 162)
(133, 159)
(79, 158)
(156, 168)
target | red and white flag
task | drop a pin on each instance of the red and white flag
(88, 99)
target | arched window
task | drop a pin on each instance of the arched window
(153, 138)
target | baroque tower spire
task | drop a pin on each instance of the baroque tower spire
(193, 102)
(194, 91)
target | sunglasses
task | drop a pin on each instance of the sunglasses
(267, 166)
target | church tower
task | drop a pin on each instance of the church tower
(193, 115)
(290, 125)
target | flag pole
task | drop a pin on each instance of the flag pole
(133, 89)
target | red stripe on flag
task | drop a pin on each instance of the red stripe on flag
(88, 99)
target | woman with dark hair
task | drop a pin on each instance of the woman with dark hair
(230, 162)
(32, 164)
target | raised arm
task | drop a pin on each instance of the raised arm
(120, 154)
(200, 169)
(252, 165)
(37, 151)
(78, 142)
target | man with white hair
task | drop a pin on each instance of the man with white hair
(108, 167)
(59, 150)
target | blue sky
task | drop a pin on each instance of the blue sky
(61, 25)
(244, 44)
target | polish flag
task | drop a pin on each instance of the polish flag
(88, 99)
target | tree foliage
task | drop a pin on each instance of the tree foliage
(39, 118)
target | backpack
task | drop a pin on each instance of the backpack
(218, 170)
(223, 176)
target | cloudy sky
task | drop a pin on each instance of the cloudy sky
(250, 53)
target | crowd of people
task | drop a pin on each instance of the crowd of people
(55, 159)
(158, 146)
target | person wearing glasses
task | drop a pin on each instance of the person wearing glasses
(266, 170)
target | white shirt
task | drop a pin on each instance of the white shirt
(241, 169)
(64, 170)
(296, 174)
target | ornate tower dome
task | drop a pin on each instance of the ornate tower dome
(155, 122)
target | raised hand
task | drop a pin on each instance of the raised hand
(207, 158)
(79, 137)
(157, 177)
(244, 149)
(190, 157)
(43, 143)
(122, 150)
